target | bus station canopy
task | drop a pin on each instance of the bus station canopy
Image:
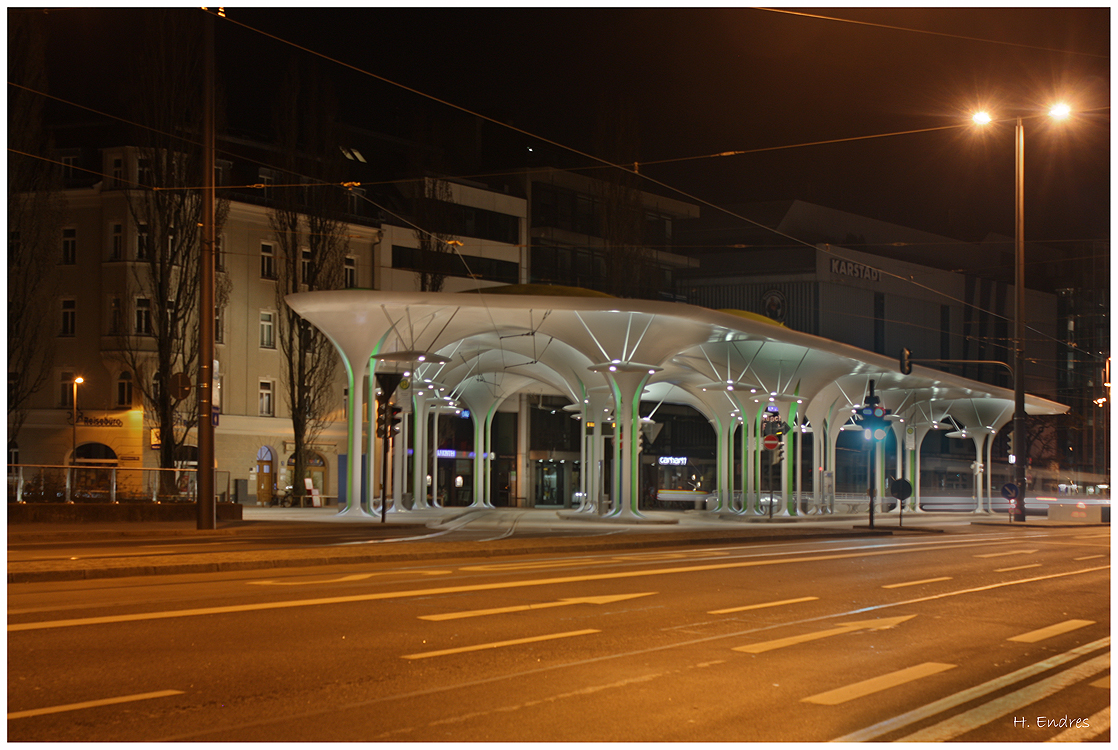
(481, 348)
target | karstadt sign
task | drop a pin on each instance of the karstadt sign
(854, 270)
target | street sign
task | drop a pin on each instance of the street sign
(771, 442)
(901, 489)
(1009, 491)
(180, 385)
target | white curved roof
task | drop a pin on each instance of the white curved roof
(499, 344)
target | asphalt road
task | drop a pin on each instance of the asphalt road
(980, 634)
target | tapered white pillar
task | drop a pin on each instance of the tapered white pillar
(627, 380)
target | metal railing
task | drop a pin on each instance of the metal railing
(92, 483)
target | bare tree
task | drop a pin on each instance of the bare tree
(308, 217)
(35, 212)
(166, 207)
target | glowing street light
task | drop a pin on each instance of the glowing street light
(1059, 111)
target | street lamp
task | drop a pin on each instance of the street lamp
(74, 403)
(1060, 112)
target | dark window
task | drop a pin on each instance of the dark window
(69, 317)
(69, 247)
(453, 264)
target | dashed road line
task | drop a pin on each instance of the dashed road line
(498, 644)
(877, 684)
(1052, 630)
(92, 704)
(763, 605)
(915, 583)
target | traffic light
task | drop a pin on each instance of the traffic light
(388, 420)
(394, 418)
(780, 451)
(1012, 453)
(906, 361)
(873, 422)
(382, 420)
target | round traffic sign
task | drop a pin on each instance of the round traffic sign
(771, 442)
(1009, 491)
(180, 385)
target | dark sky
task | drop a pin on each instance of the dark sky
(685, 83)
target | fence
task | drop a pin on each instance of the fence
(90, 483)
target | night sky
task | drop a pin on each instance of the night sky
(684, 83)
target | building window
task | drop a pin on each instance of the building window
(267, 330)
(267, 405)
(69, 317)
(68, 164)
(143, 242)
(350, 272)
(124, 390)
(143, 172)
(13, 455)
(66, 390)
(305, 268)
(116, 242)
(266, 180)
(355, 198)
(219, 325)
(143, 316)
(267, 260)
(69, 246)
(219, 252)
(116, 316)
(118, 172)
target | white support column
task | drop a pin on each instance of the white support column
(418, 443)
(627, 381)
(354, 454)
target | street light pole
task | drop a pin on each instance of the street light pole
(1020, 458)
(1019, 323)
(74, 433)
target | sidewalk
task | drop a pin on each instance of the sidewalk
(416, 535)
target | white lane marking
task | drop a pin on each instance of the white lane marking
(1088, 557)
(987, 712)
(608, 599)
(498, 644)
(763, 605)
(92, 704)
(970, 694)
(1016, 567)
(915, 583)
(1052, 630)
(1014, 552)
(352, 577)
(879, 624)
(877, 684)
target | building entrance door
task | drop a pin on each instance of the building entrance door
(265, 475)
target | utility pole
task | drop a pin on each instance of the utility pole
(207, 511)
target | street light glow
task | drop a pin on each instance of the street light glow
(982, 118)
(1060, 111)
